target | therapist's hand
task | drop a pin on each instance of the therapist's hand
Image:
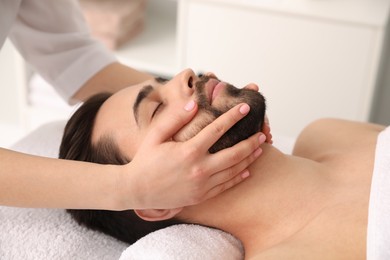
(168, 174)
(267, 130)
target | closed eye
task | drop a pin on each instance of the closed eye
(158, 108)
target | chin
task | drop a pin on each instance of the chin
(247, 126)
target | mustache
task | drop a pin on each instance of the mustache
(202, 82)
(200, 88)
(202, 100)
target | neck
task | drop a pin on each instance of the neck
(281, 196)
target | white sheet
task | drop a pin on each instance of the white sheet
(378, 233)
(52, 234)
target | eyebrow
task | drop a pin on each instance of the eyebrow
(161, 80)
(142, 94)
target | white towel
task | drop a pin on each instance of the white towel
(185, 242)
(32, 234)
(378, 233)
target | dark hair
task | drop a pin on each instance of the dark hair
(77, 145)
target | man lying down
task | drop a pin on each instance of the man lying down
(311, 205)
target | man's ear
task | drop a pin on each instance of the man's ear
(157, 214)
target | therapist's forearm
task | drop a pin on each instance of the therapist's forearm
(32, 181)
(111, 79)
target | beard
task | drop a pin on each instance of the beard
(230, 96)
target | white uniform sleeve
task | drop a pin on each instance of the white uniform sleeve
(54, 39)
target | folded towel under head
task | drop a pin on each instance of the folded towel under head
(185, 242)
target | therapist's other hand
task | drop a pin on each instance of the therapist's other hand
(191, 174)
(267, 130)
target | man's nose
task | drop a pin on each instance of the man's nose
(187, 81)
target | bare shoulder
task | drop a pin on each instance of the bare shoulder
(334, 135)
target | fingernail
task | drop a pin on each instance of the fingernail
(245, 174)
(244, 109)
(262, 138)
(190, 105)
(258, 151)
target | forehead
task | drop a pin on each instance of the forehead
(115, 119)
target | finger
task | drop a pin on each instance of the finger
(210, 74)
(226, 185)
(267, 130)
(237, 170)
(212, 132)
(252, 86)
(165, 127)
(231, 156)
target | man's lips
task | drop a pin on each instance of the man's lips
(217, 90)
(213, 87)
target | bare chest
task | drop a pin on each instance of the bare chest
(338, 231)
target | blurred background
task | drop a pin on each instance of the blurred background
(311, 58)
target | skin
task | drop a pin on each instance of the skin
(309, 205)
(43, 182)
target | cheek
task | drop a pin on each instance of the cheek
(129, 140)
(226, 102)
(201, 120)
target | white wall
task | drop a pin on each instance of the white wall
(381, 108)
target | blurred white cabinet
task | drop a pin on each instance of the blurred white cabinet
(311, 58)
(12, 78)
(12, 95)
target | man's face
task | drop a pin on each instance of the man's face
(130, 113)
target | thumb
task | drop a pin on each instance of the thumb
(167, 126)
